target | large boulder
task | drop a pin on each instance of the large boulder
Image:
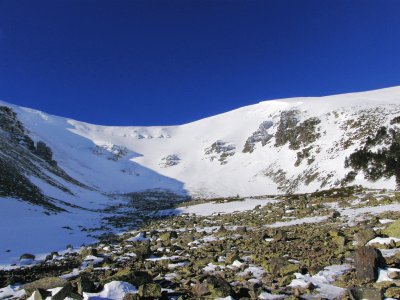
(27, 256)
(44, 284)
(142, 249)
(149, 291)
(65, 292)
(359, 293)
(363, 236)
(213, 287)
(84, 284)
(134, 277)
(279, 266)
(366, 261)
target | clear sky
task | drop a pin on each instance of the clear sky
(170, 62)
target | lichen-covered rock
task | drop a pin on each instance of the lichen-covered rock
(149, 291)
(130, 296)
(340, 241)
(232, 257)
(121, 275)
(393, 230)
(141, 277)
(200, 290)
(142, 249)
(45, 284)
(276, 266)
(360, 293)
(393, 292)
(134, 277)
(88, 251)
(289, 269)
(84, 284)
(217, 287)
(280, 236)
(363, 236)
(168, 235)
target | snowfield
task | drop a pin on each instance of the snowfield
(28, 228)
(210, 208)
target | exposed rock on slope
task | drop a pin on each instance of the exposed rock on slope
(220, 150)
(21, 158)
(170, 160)
(260, 135)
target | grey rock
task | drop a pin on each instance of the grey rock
(366, 261)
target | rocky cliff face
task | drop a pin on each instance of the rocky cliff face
(363, 148)
(21, 159)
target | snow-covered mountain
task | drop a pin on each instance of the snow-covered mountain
(278, 146)
(60, 177)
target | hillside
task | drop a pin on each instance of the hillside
(278, 146)
(70, 179)
(66, 184)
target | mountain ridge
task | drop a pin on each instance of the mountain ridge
(209, 139)
(287, 99)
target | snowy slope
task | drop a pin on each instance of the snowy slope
(182, 158)
(280, 146)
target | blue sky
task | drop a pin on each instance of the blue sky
(170, 62)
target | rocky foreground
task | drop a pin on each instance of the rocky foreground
(337, 244)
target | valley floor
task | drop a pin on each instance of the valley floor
(325, 245)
